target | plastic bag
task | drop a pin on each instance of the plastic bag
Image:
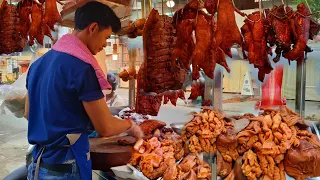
(13, 96)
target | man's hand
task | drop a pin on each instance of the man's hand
(135, 131)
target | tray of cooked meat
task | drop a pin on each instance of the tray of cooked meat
(277, 144)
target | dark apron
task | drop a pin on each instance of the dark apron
(79, 144)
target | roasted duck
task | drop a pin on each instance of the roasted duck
(280, 24)
(227, 33)
(184, 44)
(300, 25)
(203, 36)
(51, 15)
(256, 43)
(36, 24)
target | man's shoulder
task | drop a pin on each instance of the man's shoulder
(60, 58)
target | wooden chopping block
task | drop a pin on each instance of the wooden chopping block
(106, 152)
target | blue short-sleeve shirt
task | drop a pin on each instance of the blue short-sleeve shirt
(57, 84)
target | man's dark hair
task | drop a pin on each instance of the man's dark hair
(97, 12)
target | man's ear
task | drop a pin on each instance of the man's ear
(93, 27)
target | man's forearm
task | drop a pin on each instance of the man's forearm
(117, 126)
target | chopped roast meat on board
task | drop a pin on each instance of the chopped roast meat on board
(51, 15)
(227, 33)
(148, 126)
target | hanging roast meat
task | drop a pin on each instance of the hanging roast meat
(255, 44)
(203, 31)
(227, 33)
(36, 24)
(189, 11)
(160, 75)
(10, 40)
(24, 15)
(300, 25)
(52, 14)
(184, 44)
(278, 20)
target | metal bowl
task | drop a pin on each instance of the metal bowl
(177, 127)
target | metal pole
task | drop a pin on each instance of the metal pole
(208, 91)
(132, 83)
(217, 91)
(301, 87)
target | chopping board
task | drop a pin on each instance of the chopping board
(106, 152)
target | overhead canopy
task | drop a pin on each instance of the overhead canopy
(122, 8)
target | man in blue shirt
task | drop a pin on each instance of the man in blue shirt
(64, 95)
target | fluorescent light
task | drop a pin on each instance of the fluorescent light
(114, 57)
(170, 3)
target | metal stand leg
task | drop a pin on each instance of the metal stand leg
(217, 91)
(132, 83)
(300, 87)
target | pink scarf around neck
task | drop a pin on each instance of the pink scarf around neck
(71, 45)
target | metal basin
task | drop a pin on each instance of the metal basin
(177, 127)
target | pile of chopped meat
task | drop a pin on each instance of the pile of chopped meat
(191, 167)
(270, 137)
(157, 154)
(202, 131)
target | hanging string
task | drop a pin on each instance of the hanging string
(308, 6)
